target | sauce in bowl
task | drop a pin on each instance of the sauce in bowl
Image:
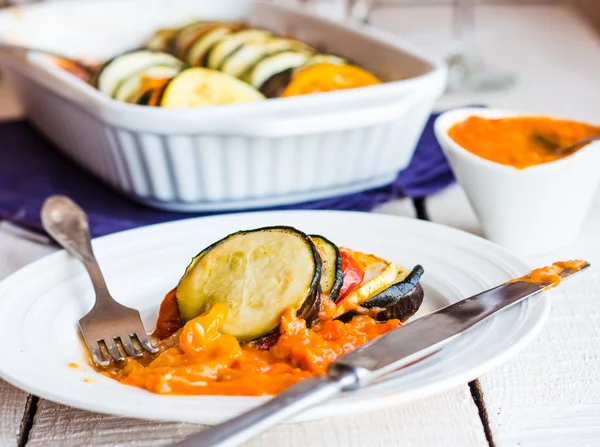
(520, 142)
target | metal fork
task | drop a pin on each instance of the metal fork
(109, 328)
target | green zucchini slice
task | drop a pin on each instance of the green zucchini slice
(241, 61)
(232, 42)
(198, 87)
(130, 89)
(186, 36)
(121, 67)
(331, 270)
(257, 274)
(198, 50)
(274, 64)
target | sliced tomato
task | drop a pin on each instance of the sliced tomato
(353, 274)
(327, 77)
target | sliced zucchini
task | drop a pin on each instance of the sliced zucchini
(199, 48)
(161, 39)
(121, 67)
(379, 275)
(241, 61)
(257, 274)
(185, 36)
(274, 64)
(130, 89)
(228, 44)
(198, 87)
(331, 271)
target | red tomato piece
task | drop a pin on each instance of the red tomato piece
(353, 274)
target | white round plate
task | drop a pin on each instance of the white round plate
(41, 304)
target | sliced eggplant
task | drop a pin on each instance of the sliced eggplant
(130, 89)
(331, 271)
(276, 84)
(241, 61)
(199, 87)
(379, 275)
(198, 50)
(274, 64)
(399, 301)
(121, 67)
(230, 43)
(257, 274)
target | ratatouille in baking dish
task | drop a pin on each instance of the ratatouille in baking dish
(216, 62)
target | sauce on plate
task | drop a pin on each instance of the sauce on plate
(199, 360)
(519, 142)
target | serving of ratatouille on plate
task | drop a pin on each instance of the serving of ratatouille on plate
(260, 310)
(257, 311)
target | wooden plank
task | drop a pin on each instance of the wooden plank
(550, 395)
(16, 252)
(12, 407)
(448, 419)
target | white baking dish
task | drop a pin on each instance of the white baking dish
(227, 157)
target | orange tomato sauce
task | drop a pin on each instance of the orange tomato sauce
(551, 274)
(199, 360)
(519, 142)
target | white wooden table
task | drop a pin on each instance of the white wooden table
(549, 395)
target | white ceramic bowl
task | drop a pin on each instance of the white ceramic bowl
(274, 152)
(530, 211)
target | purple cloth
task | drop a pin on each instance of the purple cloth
(31, 170)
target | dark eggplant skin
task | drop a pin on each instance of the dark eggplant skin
(310, 309)
(276, 84)
(399, 301)
(404, 308)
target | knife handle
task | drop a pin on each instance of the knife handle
(299, 397)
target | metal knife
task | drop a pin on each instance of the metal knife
(371, 362)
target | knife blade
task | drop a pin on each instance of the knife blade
(417, 339)
(373, 360)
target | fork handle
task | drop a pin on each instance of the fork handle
(68, 224)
